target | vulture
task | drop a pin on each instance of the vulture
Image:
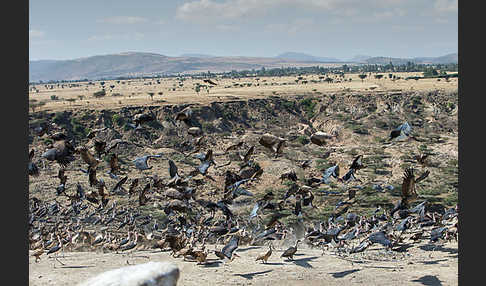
(119, 185)
(290, 252)
(357, 163)
(92, 177)
(87, 157)
(184, 115)
(33, 170)
(114, 164)
(141, 162)
(248, 154)
(62, 177)
(330, 172)
(133, 185)
(401, 132)
(230, 247)
(139, 119)
(62, 152)
(173, 173)
(409, 192)
(99, 147)
(209, 81)
(142, 199)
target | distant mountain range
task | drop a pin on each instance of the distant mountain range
(133, 64)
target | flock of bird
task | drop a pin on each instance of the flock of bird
(95, 218)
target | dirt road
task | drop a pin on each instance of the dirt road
(420, 265)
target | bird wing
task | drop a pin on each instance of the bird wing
(423, 176)
(248, 154)
(172, 169)
(120, 183)
(231, 246)
(408, 185)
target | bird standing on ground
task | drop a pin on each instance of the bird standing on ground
(290, 252)
(264, 256)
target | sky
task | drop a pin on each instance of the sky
(60, 29)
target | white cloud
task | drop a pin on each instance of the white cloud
(123, 20)
(36, 34)
(126, 37)
(207, 11)
(446, 5)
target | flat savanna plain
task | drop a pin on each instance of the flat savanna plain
(429, 105)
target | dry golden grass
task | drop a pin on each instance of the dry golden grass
(135, 92)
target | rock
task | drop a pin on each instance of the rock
(195, 131)
(151, 273)
(319, 138)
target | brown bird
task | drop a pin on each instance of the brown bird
(114, 164)
(264, 256)
(234, 146)
(142, 199)
(62, 177)
(92, 177)
(422, 159)
(37, 254)
(99, 147)
(87, 157)
(33, 170)
(61, 152)
(133, 185)
(409, 191)
(357, 163)
(290, 252)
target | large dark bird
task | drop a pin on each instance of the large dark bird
(173, 173)
(99, 147)
(290, 252)
(62, 152)
(93, 181)
(118, 188)
(357, 163)
(33, 170)
(209, 81)
(139, 119)
(229, 249)
(184, 115)
(409, 191)
(62, 177)
(114, 164)
(141, 162)
(142, 199)
(87, 157)
(330, 172)
(401, 132)
(133, 185)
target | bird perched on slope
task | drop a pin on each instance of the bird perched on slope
(61, 152)
(142, 199)
(33, 170)
(141, 162)
(401, 132)
(114, 164)
(87, 157)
